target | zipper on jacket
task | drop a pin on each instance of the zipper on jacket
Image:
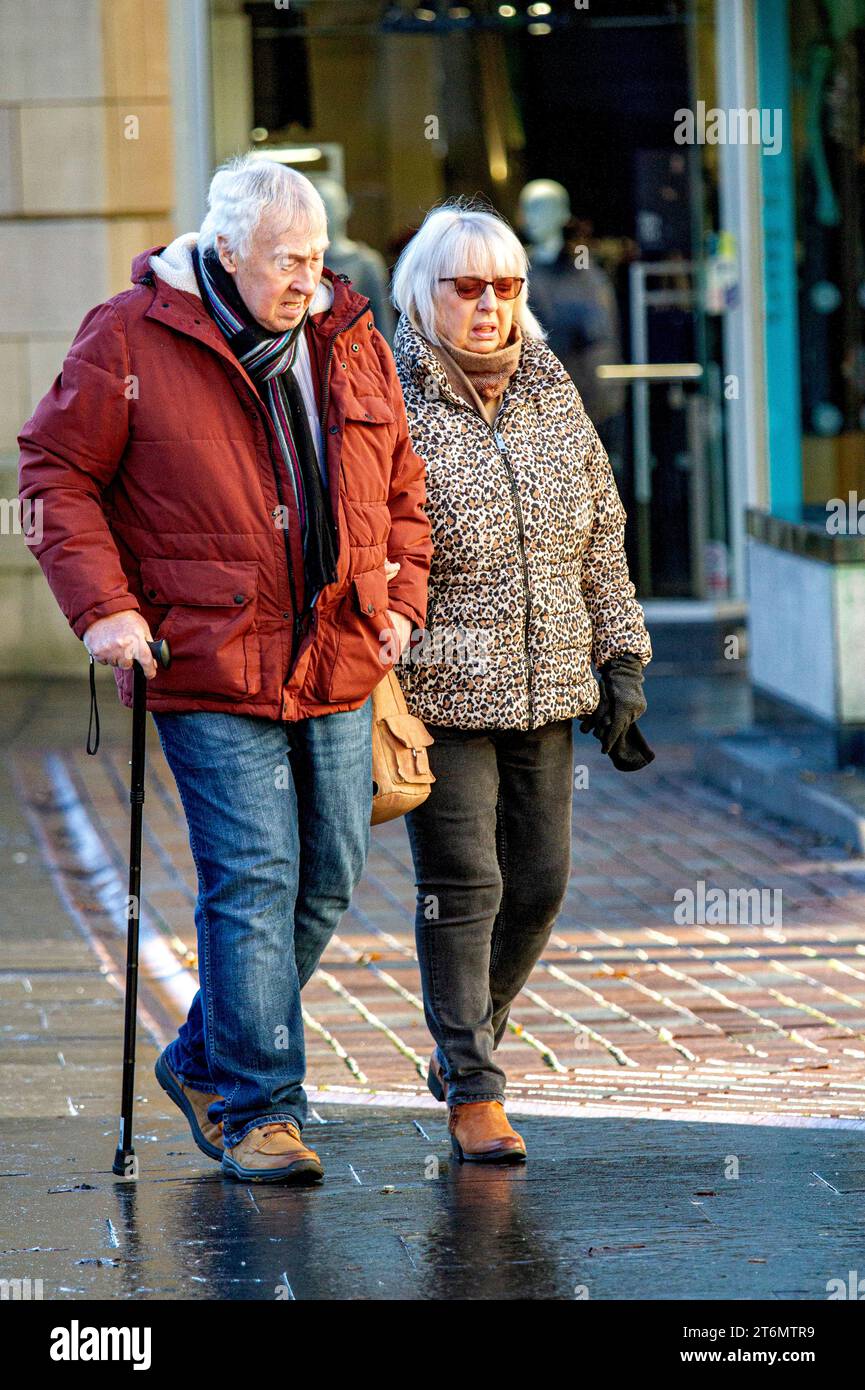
(521, 532)
(325, 394)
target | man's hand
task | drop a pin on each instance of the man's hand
(120, 639)
(401, 627)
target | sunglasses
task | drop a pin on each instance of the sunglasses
(472, 287)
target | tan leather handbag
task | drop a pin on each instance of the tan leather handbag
(400, 767)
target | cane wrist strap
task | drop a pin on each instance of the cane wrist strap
(94, 710)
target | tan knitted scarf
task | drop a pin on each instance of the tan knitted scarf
(489, 372)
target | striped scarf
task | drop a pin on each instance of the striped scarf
(269, 360)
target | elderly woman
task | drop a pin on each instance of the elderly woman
(529, 584)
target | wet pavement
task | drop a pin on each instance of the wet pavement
(605, 1209)
(691, 1094)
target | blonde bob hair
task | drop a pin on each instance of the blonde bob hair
(459, 238)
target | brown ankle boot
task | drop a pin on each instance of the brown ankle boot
(273, 1153)
(480, 1133)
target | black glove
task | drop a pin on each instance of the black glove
(621, 703)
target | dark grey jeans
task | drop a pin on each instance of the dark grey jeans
(492, 854)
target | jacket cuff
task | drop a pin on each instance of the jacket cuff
(606, 648)
(122, 604)
(631, 660)
(398, 605)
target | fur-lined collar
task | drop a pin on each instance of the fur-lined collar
(174, 266)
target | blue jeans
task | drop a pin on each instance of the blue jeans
(278, 817)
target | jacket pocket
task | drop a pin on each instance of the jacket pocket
(367, 451)
(210, 624)
(370, 410)
(362, 657)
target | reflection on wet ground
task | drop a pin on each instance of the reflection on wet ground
(605, 1209)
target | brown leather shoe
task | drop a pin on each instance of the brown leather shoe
(273, 1153)
(435, 1079)
(206, 1134)
(481, 1133)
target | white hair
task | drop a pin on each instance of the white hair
(459, 238)
(242, 190)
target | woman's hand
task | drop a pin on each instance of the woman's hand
(622, 700)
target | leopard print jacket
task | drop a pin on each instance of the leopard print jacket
(529, 581)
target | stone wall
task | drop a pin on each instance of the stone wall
(86, 182)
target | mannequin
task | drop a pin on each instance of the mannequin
(363, 266)
(577, 307)
(545, 210)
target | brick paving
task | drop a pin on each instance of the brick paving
(629, 1013)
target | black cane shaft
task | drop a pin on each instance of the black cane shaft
(133, 908)
(125, 1151)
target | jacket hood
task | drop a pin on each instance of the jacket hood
(173, 265)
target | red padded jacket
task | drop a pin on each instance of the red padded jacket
(162, 489)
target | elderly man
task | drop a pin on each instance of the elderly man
(224, 462)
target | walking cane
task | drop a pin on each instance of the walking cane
(125, 1164)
